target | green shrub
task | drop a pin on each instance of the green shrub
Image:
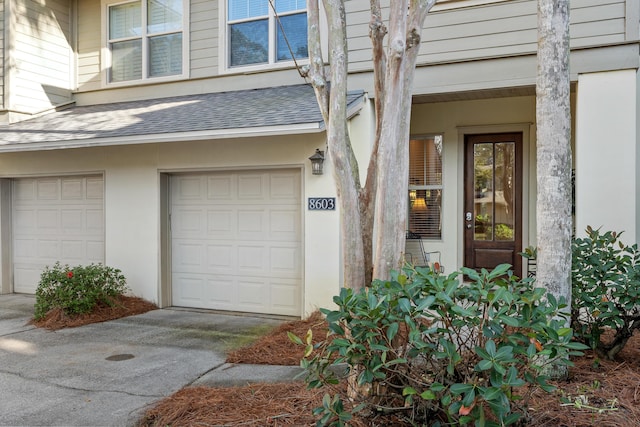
(77, 290)
(442, 351)
(605, 291)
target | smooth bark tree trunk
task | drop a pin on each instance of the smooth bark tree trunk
(553, 120)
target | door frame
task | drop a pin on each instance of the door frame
(527, 129)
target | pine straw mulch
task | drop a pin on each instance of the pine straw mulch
(600, 384)
(122, 306)
(276, 348)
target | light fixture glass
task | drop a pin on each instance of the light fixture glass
(316, 162)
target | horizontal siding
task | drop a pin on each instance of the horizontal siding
(2, 58)
(42, 55)
(204, 38)
(493, 30)
(89, 44)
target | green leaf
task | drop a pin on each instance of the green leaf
(484, 365)
(490, 346)
(405, 305)
(425, 303)
(428, 395)
(392, 330)
(408, 391)
(492, 393)
(460, 388)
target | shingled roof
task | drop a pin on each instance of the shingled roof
(276, 110)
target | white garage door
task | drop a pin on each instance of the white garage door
(236, 241)
(55, 219)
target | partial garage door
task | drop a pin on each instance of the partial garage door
(55, 219)
(236, 241)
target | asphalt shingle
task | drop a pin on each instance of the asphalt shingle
(266, 107)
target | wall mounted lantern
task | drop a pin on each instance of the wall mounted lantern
(316, 162)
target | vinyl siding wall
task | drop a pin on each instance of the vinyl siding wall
(42, 58)
(204, 38)
(493, 30)
(2, 58)
(503, 29)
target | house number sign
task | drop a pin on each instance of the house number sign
(321, 204)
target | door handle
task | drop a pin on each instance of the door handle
(468, 216)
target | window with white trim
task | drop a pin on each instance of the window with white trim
(145, 39)
(425, 187)
(256, 35)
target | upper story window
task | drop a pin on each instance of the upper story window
(255, 37)
(145, 39)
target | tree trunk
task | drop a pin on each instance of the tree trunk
(405, 26)
(553, 117)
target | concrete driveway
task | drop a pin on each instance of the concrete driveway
(107, 374)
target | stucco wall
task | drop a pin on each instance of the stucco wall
(607, 153)
(132, 200)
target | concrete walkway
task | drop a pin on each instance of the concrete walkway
(107, 374)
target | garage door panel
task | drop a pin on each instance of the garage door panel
(252, 293)
(24, 190)
(285, 296)
(95, 190)
(283, 225)
(72, 189)
(220, 188)
(95, 251)
(48, 249)
(95, 222)
(28, 276)
(221, 223)
(220, 292)
(189, 188)
(285, 188)
(24, 247)
(285, 261)
(251, 187)
(221, 258)
(187, 222)
(55, 219)
(251, 224)
(48, 189)
(24, 220)
(188, 256)
(48, 220)
(72, 220)
(191, 292)
(73, 249)
(252, 232)
(252, 259)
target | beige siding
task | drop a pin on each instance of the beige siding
(2, 58)
(41, 60)
(494, 30)
(89, 41)
(204, 38)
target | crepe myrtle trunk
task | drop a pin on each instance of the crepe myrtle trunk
(380, 204)
(553, 117)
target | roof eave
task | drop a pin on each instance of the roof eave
(167, 137)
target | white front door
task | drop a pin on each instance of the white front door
(55, 219)
(237, 241)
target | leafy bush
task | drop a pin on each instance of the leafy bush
(77, 290)
(441, 351)
(605, 291)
